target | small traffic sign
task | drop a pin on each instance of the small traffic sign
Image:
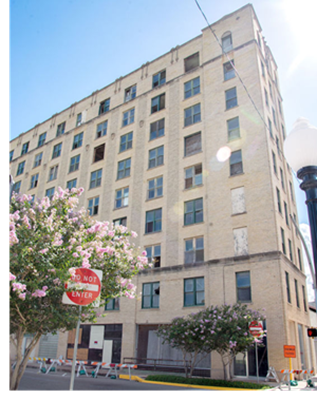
(289, 351)
(256, 328)
(89, 281)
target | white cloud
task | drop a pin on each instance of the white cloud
(305, 229)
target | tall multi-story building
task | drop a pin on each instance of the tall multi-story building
(145, 149)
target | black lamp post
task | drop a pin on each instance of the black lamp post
(300, 150)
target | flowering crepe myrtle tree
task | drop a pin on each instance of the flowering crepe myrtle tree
(49, 239)
(185, 334)
(223, 329)
(227, 331)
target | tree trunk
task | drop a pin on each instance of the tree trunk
(21, 361)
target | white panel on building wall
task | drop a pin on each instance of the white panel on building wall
(107, 351)
(238, 200)
(96, 336)
(48, 346)
(240, 237)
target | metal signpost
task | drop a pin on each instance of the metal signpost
(256, 330)
(87, 285)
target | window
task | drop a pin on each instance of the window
(156, 157)
(233, 127)
(130, 93)
(243, 286)
(126, 142)
(194, 292)
(155, 188)
(192, 115)
(231, 98)
(157, 129)
(20, 169)
(57, 150)
(37, 160)
(42, 139)
(112, 304)
(240, 241)
(71, 184)
(153, 254)
(228, 70)
(226, 41)
(193, 176)
(78, 140)
(299, 259)
(290, 249)
(192, 87)
(153, 221)
(274, 162)
(120, 221)
(193, 212)
(194, 250)
(158, 103)
(53, 173)
(282, 178)
(102, 129)
(270, 89)
(159, 79)
(16, 187)
(99, 153)
(274, 116)
(278, 196)
(192, 144)
(34, 181)
(49, 193)
(74, 163)
(60, 129)
(288, 292)
(104, 106)
(78, 119)
(93, 206)
(122, 198)
(291, 190)
(283, 241)
(238, 203)
(128, 117)
(191, 62)
(304, 298)
(286, 214)
(236, 166)
(11, 155)
(263, 69)
(124, 168)
(266, 98)
(25, 148)
(151, 295)
(270, 127)
(95, 179)
(296, 292)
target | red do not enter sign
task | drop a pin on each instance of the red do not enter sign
(89, 283)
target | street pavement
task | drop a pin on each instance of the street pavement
(60, 380)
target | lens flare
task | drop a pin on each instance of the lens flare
(223, 154)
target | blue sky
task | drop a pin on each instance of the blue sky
(63, 50)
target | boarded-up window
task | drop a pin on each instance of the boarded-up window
(99, 153)
(192, 144)
(191, 62)
(238, 200)
(240, 238)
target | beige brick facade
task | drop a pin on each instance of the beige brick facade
(241, 224)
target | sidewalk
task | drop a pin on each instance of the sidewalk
(138, 373)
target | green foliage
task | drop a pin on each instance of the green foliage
(205, 382)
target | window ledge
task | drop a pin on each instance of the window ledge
(193, 187)
(232, 108)
(154, 198)
(189, 155)
(151, 233)
(240, 213)
(195, 223)
(232, 176)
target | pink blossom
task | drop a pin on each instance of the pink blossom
(12, 277)
(39, 293)
(44, 251)
(22, 296)
(75, 255)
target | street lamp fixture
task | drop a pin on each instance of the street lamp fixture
(300, 150)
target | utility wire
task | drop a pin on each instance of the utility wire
(240, 79)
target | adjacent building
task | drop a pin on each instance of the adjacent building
(147, 150)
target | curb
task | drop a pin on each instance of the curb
(138, 379)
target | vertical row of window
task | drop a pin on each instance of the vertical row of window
(296, 289)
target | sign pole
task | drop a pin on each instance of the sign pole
(256, 360)
(72, 377)
(290, 367)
